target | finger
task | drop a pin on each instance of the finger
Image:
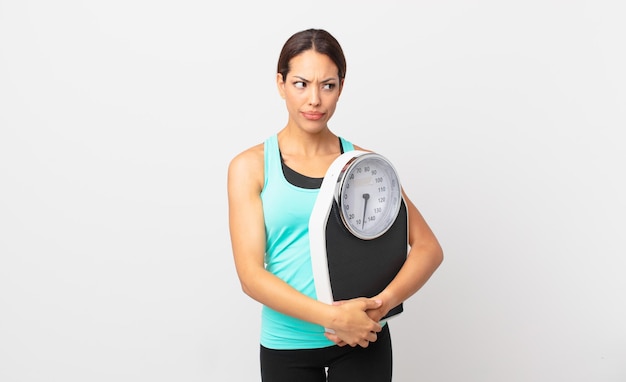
(334, 338)
(372, 337)
(377, 327)
(372, 304)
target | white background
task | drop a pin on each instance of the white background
(118, 119)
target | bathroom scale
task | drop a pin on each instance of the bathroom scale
(358, 229)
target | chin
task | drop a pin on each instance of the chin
(314, 126)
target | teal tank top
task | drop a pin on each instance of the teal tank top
(286, 210)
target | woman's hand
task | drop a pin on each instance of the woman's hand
(352, 325)
(381, 311)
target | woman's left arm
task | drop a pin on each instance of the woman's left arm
(424, 257)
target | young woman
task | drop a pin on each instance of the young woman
(271, 191)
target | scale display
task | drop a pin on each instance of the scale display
(358, 228)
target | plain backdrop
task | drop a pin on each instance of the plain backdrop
(118, 120)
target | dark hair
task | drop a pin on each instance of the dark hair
(317, 39)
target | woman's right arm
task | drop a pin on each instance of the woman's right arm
(247, 232)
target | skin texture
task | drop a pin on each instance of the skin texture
(311, 91)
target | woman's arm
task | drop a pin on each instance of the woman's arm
(424, 257)
(247, 231)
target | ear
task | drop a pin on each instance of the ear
(340, 87)
(280, 84)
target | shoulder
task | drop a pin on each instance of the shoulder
(247, 165)
(252, 156)
(357, 147)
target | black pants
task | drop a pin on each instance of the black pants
(345, 364)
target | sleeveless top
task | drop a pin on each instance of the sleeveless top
(286, 210)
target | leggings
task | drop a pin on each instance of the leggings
(330, 364)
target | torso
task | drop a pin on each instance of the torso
(286, 209)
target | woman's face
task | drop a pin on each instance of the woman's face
(311, 90)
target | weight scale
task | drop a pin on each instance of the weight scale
(358, 229)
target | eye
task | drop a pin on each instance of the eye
(299, 84)
(328, 86)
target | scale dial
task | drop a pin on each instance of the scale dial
(369, 195)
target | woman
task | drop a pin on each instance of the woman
(271, 191)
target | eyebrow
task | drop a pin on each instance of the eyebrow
(323, 81)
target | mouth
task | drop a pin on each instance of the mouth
(312, 115)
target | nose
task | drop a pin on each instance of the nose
(314, 96)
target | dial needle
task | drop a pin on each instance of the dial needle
(366, 197)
